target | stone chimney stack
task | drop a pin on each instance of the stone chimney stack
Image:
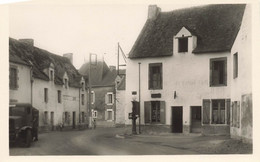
(153, 12)
(28, 42)
(69, 56)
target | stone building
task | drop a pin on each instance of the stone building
(187, 69)
(50, 83)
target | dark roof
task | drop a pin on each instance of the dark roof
(101, 75)
(15, 59)
(215, 26)
(42, 59)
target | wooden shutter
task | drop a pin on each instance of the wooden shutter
(150, 77)
(228, 111)
(210, 72)
(161, 76)
(113, 116)
(238, 114)
(206, 111)
(225, 71)
(147, 112)
(106, 115)
(232, 116)
(162, 112)
(106, 98)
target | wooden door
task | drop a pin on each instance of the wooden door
(177, 119)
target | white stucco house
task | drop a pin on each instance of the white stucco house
(50, 83)
(187, 68)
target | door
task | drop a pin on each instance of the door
(177, 119)
(74, 120)
(196, 119)
(52, 120)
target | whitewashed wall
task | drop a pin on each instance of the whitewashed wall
(23, 93)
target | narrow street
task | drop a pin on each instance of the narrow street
(107, 141)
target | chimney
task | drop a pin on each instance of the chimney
(69, 56)
(28, 42)
(153, 12)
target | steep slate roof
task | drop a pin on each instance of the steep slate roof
(42, 59)
(215, 26)
(101, 75)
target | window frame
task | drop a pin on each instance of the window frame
(183, 48)
(225, 73)
(46, 96)
(107, 98)
(158, 111)
(235, 65)
(13, 87)
(219, 111)
(150, 76)
(59, 96)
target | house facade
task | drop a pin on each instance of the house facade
(185, 68)
(56, 88)
(103, 105)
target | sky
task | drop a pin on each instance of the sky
(81, 29)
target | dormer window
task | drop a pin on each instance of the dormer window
(183, 44)
(66, 83)
(51, 75)
(82, 86)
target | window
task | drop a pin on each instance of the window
(13, 78)
(109, 114)
(92, 97)
(46, 117)
(83, 86)
(66, 117)
(59, 96)
(51, 75)
(183, 44)
(82, 99)
(155, 76)
(46, 95)
(218, 72)
(109, 98)
(235, 66)
(218, 112)
(82, 117)
(66, 83)
(94, 113)
(154, 112)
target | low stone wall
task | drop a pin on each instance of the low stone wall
(215, 130)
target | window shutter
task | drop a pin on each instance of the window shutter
(238, 114)
(232, 114)
(106, 115)
(106, 98)
(228, 111)
(206, 111)
(225, 72)
(162, 112)
(147, 109)
(161, 77)
(210, 73)
(112, 115)
(150, 78)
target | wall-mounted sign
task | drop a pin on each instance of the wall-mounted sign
(134, 93)
(156, 95)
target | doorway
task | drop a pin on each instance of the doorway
(195, 119)
(52, 121)
(177, 120)
(74, 120)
